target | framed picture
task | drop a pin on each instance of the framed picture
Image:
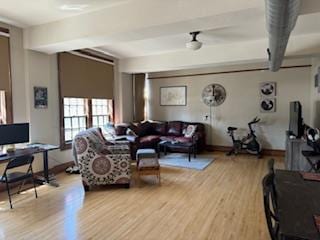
(40, 97)
(268, 105)
(173, 96)
(268, 89)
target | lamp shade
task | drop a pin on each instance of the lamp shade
(194, 45)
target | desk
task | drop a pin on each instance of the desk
(298, 200)
(31, 150)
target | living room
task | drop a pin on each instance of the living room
(46, 50)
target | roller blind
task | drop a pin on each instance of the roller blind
(83, 77)
(4, 64)
(139, 101)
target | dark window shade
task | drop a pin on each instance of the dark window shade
(83, 77)
(4, 64)
(139, 101)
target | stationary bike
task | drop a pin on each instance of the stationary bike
(249, 143)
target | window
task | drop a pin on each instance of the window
(82, 113)
(75, 117)
(100, 112)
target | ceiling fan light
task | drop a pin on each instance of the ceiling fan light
(194, 45)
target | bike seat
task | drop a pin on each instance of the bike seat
(232, 128)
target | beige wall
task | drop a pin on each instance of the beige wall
(241, 105)
(126, 98)
(42, 71)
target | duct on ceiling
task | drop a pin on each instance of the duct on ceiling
(281, 18)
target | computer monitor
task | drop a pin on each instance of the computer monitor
(14, 133)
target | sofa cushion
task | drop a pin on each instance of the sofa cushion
(167, 138)
(174, 128)
(183, 139)
(159, 128)
(145, 129)
(120, 129)
(150, 139)
(135, 128)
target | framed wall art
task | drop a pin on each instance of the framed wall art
(268, 89)
(173, 96)
(40, 97)
(268, 105)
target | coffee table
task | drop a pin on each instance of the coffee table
(189, 146)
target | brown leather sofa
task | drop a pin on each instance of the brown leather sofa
(149, 133)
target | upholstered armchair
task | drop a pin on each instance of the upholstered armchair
(101, 162)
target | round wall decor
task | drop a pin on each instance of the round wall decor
(213, 95)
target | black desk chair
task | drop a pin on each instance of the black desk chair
(270, 206)
(9, 176)
(313, 159)
(271, 165)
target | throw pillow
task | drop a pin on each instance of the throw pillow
(145, 129)
(130, 132)
(135, 128)
(190, 130)
(120, 129)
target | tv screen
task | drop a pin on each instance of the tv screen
(296, 125)
(14, 133)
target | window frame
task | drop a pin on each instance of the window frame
(65, 145)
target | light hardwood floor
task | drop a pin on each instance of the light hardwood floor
(222, 202)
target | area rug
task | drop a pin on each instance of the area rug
(181, 160)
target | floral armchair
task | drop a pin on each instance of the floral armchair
(101, 162)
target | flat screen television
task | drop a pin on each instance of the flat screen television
(296, 121)
(14, 133)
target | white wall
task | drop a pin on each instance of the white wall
(241, 105)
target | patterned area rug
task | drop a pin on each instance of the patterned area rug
(181, 160)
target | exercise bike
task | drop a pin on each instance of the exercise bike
(248, 143)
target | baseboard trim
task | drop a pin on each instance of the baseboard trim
(55, 170)
(269, 152)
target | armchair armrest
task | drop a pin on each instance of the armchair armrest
(116, 147)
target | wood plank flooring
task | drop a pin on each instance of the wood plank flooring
(223, 202)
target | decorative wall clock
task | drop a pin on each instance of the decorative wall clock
(213, 95)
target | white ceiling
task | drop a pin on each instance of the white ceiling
(26, 13)
(250, 31)
(133, 28)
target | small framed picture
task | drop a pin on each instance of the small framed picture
(268, 105)
(173, 96)
(268, 89)
(40, 97)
